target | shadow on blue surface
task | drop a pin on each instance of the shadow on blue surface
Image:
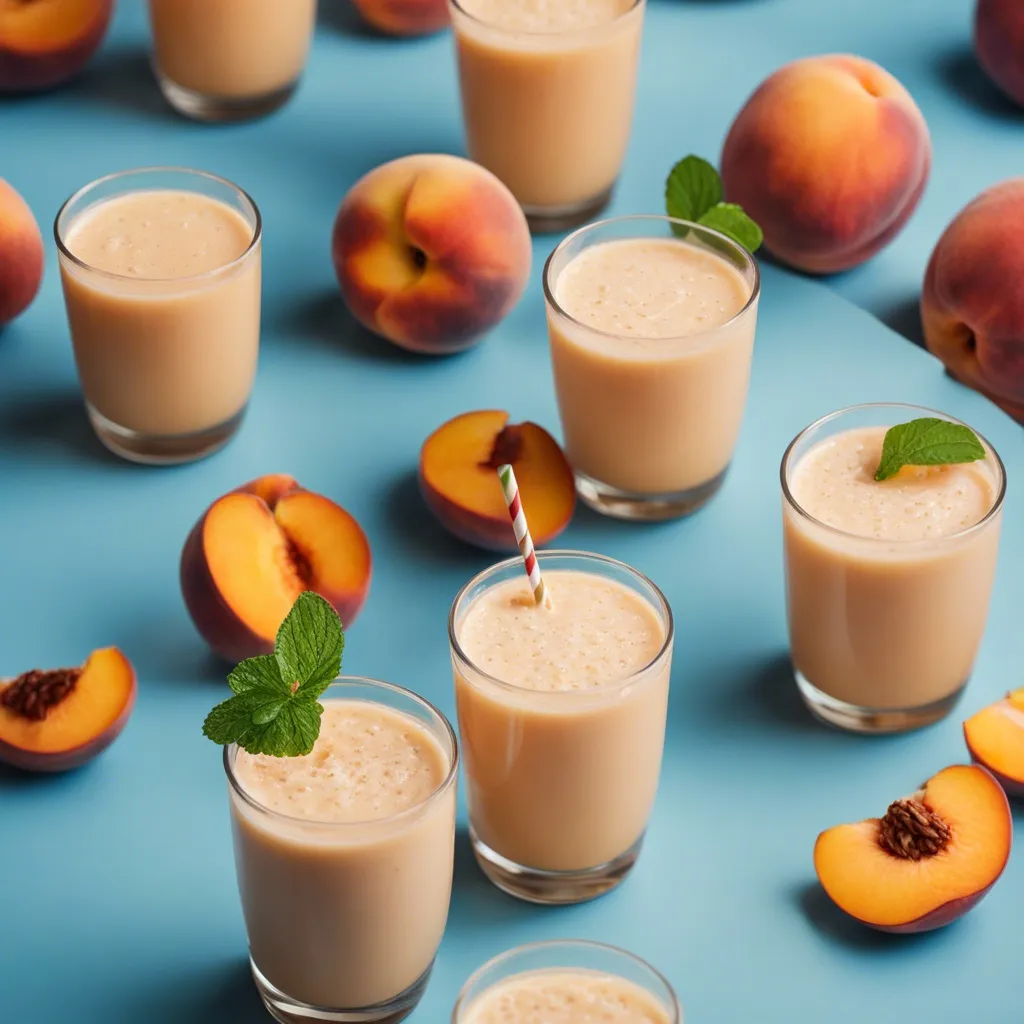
(904, 318)
(122, 78)
(55, 421)
(475, 902)
(213, 995)
(960, 72)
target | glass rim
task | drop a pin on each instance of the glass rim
(787, 459)
(562, 695)
(552, 944)
(540, 34)
(746, 255)
(230, 751)
(257, 230)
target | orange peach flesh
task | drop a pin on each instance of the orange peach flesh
(104, 689)
(46, 26)
(995, 737)
(886, 891)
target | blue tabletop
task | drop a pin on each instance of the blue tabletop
(117, 890)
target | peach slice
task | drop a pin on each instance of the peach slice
(995, 738)
(57, 719)
(256, 549)
(932, 857)
(459, 481)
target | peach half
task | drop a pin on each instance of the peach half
(995, 738)
(928, 861)
(459, 480)
(21, 254)
(405, 17)
(54, 720)
(256, 549)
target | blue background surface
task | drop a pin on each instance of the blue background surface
(117, 892)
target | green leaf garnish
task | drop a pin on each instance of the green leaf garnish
(927, 442)
(275, 708)
(693, 192)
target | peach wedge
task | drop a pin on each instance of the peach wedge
(928, 861)
(256, 549)
(56, 719)
(995, 738)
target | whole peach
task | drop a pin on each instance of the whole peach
(21, 254)
(405, 17)
(972, 305)
(830, 155)
(431, 252)
(999, 43)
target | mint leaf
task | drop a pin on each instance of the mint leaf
(309, 645)
(693, 187)
(927, 442)
(291, 733)
(258, 673)
(731, 220)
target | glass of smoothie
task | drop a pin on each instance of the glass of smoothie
(562, 719)
(345, 857)
(547, 98)
(567, 982)
(161, 276)
(651, 322)
(887, 582)
(228, 60)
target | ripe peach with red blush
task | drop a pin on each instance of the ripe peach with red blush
(405, 17)
(999, 44)
(21, 254)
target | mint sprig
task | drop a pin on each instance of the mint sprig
(693, 192)
(927, 442)
(275, 708)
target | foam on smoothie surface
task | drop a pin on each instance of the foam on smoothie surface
(835, 483)
(566, 997)
(546, 15)
(369, 762)
(159, 234)
(597, 632)
(650, 288)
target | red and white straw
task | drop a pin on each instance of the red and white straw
(510, 489)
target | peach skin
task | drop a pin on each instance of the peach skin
(999, 44)
(57, 719)
(459, 479)
(830, 155)
(45, 42)
(995, 738)
(972, 304)
(431, 252)
(256, 549)
(405, 17)
(929, 860)
(21, 254)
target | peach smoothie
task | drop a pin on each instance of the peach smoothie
(345, 856)
(562, 717)
(651, 345)
(888, 582)
(162, 288)
(219, 58)
(547, 97)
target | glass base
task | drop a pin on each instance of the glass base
(200, 107)
(293, 1011)
(165, 450)
(552, 887)
(546, 220)
(875, 721)
(610, 501)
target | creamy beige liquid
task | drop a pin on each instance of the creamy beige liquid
(565, 997)
(232, 49)
(548, 91)
(562, 762)
(889, 612)
(652, 369)
(344, 903)
(160, 349)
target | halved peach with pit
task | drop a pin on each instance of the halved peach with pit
(929, 860)
(459, 479)
(995, 738)
(256, 549)
(55, 719)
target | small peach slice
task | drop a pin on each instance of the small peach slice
(928, 861)
(459, 480)
(995, 738)
(57, 719)
(256, 549)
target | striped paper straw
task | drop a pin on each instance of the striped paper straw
(515, 509)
